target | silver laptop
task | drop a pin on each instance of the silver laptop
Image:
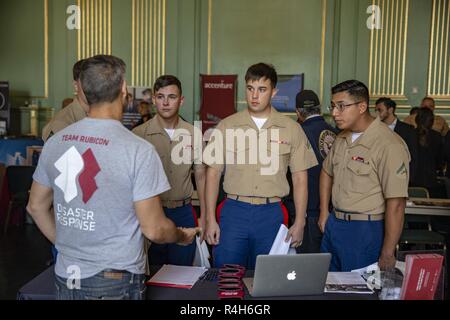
(289, 275)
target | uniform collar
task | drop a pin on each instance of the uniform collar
(368, 136)
(155, 126)
(313, 119)
(275, 119)
(77, 110)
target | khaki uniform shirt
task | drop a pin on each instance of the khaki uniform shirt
(368, 171)
(171, 153)
(249, 172)
(439, 124)
(74, 112)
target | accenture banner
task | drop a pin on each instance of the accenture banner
(218, 98)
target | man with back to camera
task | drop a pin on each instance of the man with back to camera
(249, 218)
(439, 124)
(105, 200)
(321, 136)
(173, 137)
(366, 175)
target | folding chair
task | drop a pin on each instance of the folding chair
(20, 179)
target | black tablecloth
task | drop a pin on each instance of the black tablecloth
(43, 288)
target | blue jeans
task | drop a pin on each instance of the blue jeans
(352, 244)
(104, 286)
(160, 254)
(246, 231)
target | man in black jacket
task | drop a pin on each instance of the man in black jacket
(385, 107)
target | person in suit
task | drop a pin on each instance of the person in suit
(385, 107)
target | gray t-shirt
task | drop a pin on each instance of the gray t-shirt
(97, 170)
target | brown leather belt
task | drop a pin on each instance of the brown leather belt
(172, 204)
(347, 216)
(254, 200)
(114, 274)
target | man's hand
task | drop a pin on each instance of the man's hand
(202, 224)
(188, 235)
(323, 218)
(386, 261)
(393, 226)
(325, 186)
(212, 232)
(296, 233)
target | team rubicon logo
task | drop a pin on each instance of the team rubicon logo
(73, 166)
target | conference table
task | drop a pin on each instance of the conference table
(428, 207)
(43, 288)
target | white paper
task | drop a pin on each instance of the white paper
(171, 275)
(280, 246)
(346, 282)
(202, 255)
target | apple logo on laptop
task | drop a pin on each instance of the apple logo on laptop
(291, 275)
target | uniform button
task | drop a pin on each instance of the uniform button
(357, 171)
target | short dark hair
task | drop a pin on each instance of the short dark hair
(76, 70)
(355, 89)
(262, 70)
(388, 102)
(102, 77)
(429, 98)
(165, 81)
(147, 91)
(414, 110)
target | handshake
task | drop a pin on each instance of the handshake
(187, 235)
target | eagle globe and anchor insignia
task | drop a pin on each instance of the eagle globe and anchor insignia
(326, 140)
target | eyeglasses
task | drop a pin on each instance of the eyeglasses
(340, 107)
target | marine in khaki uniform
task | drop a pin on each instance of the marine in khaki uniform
(439, 124)
(366, 174)
(74, 112)
(180, 151)
(255, 147)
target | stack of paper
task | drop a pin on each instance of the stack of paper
(177, 276)
(280, 246)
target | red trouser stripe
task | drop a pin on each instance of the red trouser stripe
(285, 214)
(219, 209)
(194, 213)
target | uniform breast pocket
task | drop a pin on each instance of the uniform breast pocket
(237, 161)
(279, 153)
(182, 155)
(359, 178)
(335, 163)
